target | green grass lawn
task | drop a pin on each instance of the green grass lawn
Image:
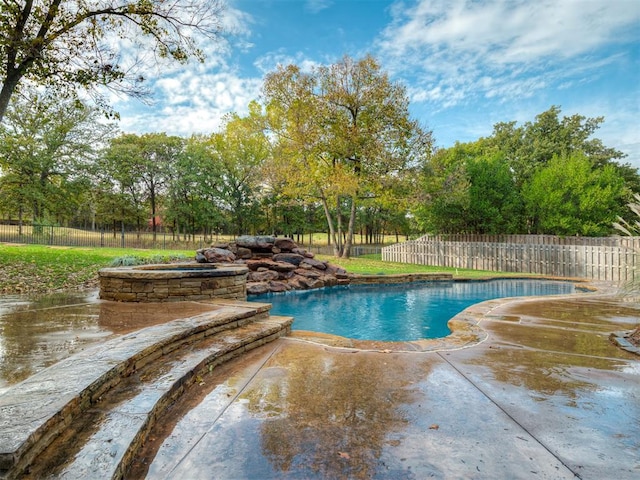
(373, 265)
(39, 269)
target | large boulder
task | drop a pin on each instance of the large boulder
(303, 283)
(307, 273)
(314, 263)
(217, 255)
(303, 252)
(275, 286)
(263, 276)
(292, 258)
(285, 244)
(257, 242)
(255, 264)
(335, 270)
(286, 275)
(329, 280)
(244, 253)
(257, 288)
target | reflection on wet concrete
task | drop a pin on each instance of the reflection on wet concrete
(545, 395)
(556, 371)
(36, 332)
(577, 325)
(325, 415)
(537, 399)
(576, 311)
(336, 408)
(313, 412)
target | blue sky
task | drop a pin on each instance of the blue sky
(466, 64)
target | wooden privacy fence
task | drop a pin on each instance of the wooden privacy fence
(614, 259)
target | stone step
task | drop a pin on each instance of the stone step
(104, 444)
(36, 411)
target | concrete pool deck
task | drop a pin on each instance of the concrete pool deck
(543, 394)
(546, 395)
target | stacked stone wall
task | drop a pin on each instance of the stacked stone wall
(275, 264)
(131, 284)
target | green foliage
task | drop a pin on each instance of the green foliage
(342, 133)
(71, 45)
(534, 144)
(47, 150)
(445, 186)
(192, 193)
(132, 260)
(126, 261)
(239, 152)
(495, 205)
(136, 170)
(632, 226)
(479, 187)
(572, 196)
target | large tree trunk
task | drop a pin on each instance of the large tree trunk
(339, 246)
(8, 87)
(332, 233)
(154, 227)
(346, 252)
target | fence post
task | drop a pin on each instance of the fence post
(122, 236)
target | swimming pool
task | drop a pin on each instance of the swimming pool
(399, 312)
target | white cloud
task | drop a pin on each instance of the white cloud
(193, 97)
(315, 6)
(192, 101)
(487, 48)
(268, 63)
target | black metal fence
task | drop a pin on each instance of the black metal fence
(74, 237)
(164, 240)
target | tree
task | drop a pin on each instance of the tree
(46, 149)
(71, 44)
(443, 193)
(341, 130)
(191, 190)
(494, 204)
(572, 196)
(142, 166)
(478, 187)
(533, 145)
(470, 190)
(238, 153)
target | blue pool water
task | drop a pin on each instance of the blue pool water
(401, 312)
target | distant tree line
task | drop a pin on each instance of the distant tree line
(332, 150)
(549, 176)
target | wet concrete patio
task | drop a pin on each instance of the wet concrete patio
(545, 394)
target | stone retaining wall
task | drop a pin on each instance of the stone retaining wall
(173, 283)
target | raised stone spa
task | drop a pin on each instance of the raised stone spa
(173, 282)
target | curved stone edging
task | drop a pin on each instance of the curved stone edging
(173, 282)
